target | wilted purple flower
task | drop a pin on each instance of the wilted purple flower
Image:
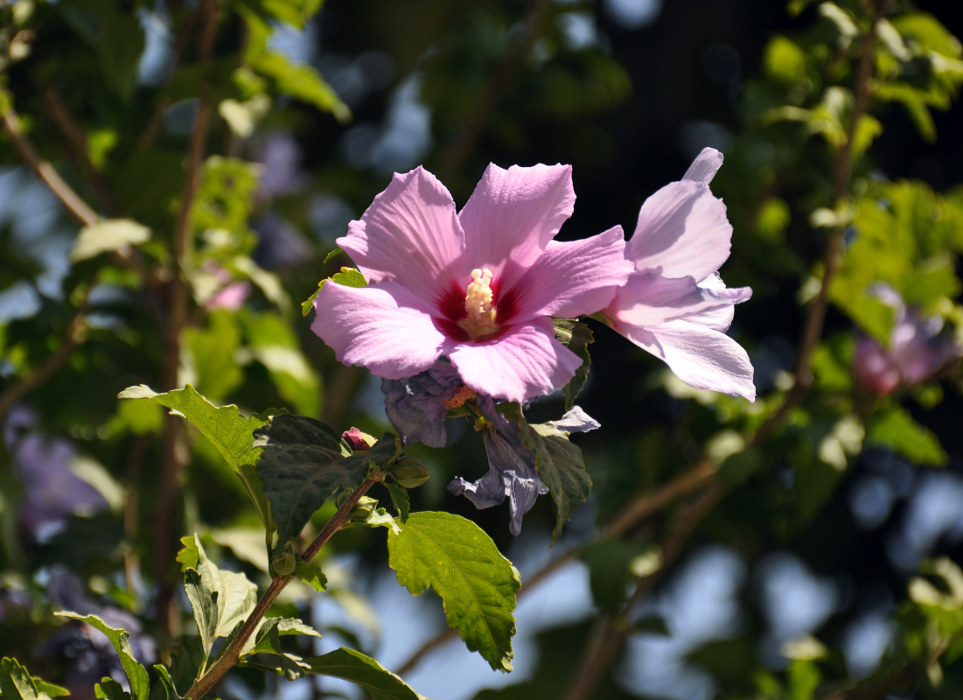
(916, 350)
(51, 491)
(477, 286)
(511, 466)
(416, 406)
(675, 305)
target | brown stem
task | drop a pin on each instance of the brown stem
(177, 303)
(229, 657)
(832, 257)
(46, 172)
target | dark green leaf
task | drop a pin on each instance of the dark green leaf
(399, 497)
(560, 466)
(576, 336)
(303, 464)
(17, 683)
(109, 689)
(463, 566)
(354, 666)
(896, 429)
(163, 688)
(136, 674)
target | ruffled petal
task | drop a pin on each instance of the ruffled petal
(682, 231)
(573, 278)
(699, 356)
(514, 213)
(366, 326)
(410, 233)
(524, 362)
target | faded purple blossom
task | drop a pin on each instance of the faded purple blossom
(52, 493)
(479, 286)
(416, 406)
(916, 350)
(675, 305)
(511, 466)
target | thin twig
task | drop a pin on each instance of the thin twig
(46, 172)
(229, 657)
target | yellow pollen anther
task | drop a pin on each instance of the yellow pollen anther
(479, 311)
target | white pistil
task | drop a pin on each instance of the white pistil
(479, 311)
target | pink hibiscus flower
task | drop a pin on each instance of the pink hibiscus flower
(675, 305)
(479, 286)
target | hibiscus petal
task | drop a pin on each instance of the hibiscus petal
(365, 326)
(514, 213)
(649, 299)
(417, 406)
(682, 230)
(573, 278)
(705, 166)
(409, 233)
(699, 356)
(524, 362)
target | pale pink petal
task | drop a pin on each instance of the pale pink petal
(410, 233)
(524, 362)
(365, 326)
(649, 299)
(514, 213)
(699, 356)
(572, 278)
(682, 231)
(705, 166)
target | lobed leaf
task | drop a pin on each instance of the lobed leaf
(463, 566)
(225, 428)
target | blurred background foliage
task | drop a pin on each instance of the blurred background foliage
(174, 173)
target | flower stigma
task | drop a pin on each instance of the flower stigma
(479, 311)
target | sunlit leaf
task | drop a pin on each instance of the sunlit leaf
(463, 566)
(120, 639)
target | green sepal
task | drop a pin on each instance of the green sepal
(576, 336)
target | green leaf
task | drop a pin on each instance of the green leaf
(221, 599)
(16, 682)
(896, 429)
(106, 236)
(136, 674)
(226, 429)
(312, 575)
(267, 637)
(301, 82)
(354, 666)
(303, 463)
(560, 466)
(576, 336)
(163, 688)
(109, 689)
(399, 498)
(463, 566)
(348, 276)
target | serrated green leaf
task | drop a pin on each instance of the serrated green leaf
(106, 236)
(896, 429)
(225, 428)
(109, 689)
(136, 674)
(461, 564)
(267, 637)
(576, 336)
(348, 276)
(303, 463)
(560, 466)
(354, 666)
(221, 599)
(16, 683)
